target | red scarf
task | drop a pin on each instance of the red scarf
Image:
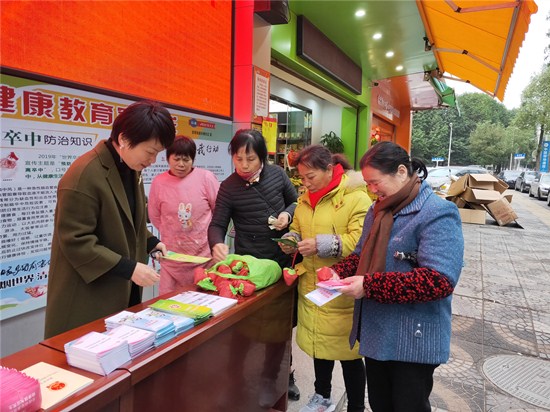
(337, 173)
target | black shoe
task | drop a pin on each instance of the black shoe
(293, 391)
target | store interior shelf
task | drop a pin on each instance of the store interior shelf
(290, 141)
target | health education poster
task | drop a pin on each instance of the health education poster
(44, 128)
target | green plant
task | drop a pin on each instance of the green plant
(332, 142)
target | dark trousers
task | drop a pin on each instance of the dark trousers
(354, 381)
(399, 386)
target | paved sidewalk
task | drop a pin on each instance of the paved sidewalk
(500, 353)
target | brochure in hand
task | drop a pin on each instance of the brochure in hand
(181, 257)
(321, 296)
(289, 241)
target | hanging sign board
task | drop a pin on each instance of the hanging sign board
(261, 94)
(269, 131)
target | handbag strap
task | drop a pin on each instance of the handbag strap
(265, 200)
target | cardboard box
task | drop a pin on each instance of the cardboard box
(480, 196)
(473, 216)
(458, 201)
(483, 181)
(501, 211)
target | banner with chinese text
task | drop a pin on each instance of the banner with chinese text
(44, 128)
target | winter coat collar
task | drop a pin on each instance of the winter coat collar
(415, 206)
(351, 181)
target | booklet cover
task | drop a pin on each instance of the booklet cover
(215, 302)
(55, 383)
(157, 325)
(139, 340)
(181, 323)
(98, 353)
(196, 312)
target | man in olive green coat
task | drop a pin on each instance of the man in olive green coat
(100, 242)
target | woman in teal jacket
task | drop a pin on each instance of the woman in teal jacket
(327, 225)
(406, 265)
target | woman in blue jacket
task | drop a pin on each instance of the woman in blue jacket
(402, 274)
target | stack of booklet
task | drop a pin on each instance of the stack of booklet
(97, 352)
(196, 312)
(181, 323)
(18, 391)
(164, 329)
(139, 340)
(216, 303)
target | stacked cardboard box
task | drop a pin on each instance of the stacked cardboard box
(478, 194)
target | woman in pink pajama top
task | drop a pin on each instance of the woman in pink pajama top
(181, 202)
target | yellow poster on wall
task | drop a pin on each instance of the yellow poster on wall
(269, 130)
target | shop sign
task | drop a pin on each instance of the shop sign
(544, 156)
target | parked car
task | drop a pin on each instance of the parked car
(523, 182)
(540, 186)
(509, 177)
(471, 170)
(441, 175)
(440, 178)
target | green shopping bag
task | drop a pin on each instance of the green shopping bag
(238, 275)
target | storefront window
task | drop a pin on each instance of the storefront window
(293, 131)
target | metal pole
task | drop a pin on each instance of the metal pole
(450, 141)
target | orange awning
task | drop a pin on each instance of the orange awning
(477, 41)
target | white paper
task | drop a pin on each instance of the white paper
(321, 296)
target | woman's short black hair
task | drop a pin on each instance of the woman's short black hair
(142, 121)
(182, 146)
(252, 140)
(319, 157)
(387, 156)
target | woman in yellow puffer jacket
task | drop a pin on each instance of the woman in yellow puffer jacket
(327, 225)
